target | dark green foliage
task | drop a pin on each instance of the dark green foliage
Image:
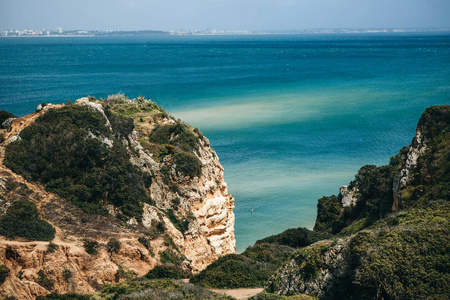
(146, 242)
(4, 272)
(182, 136)
(182, 226)
(188, 164)
(167, 271)
(168, 256)
(52, 247)
(122, 126)
(375, 191)
(122, 274)
(430, 181)
(269, 253)
(44, 281)
(67, 274)
(22, 220)
(374, 200)
(4, 115)
(296, 237)
(58, 150)
(400, 264)
(113, 245)
(181, 141)
(329, 211)
(156, 289)
(250, 269)
(91, 246)
(233, 271)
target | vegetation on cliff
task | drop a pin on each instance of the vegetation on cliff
(295, 237)
(145, 289)
(64, 150)
(252, 268)
(22, 219)
(374, 185)
(381, 253)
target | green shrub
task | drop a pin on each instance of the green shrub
(4, 271)
(296, 237)
(52, 247)
(253, 268)
(182, 226)
(122, 274)
(67, 274)
(45, 281)
(113, 245)
(167, 271)
(91, 246)
(58, 150)
(168, 256)
(22, 220)
(188, 164)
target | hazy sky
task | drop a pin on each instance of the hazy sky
(222, 14)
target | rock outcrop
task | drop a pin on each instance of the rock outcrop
(190, 215)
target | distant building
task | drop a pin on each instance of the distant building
(59, 30)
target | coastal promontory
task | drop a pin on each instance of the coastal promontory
(117, 187)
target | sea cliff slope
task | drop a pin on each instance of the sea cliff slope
(118, 186)
(391, 228)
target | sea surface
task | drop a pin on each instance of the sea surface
(292, 117)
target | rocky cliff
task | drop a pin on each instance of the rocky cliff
(117, 176)
(391, 227)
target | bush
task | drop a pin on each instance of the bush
(182, 226)
(91, 246)
(113, 245)
(4, 272)
(168, 256)
(44, 281)
(167, 271)
(58, 149)
(188, 164)
(52, 247)
(22, 220)
(298, 237)
(253, 268)
(67, 274)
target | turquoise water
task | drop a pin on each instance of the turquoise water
(292, 117)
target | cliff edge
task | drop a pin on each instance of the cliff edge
(125, 186)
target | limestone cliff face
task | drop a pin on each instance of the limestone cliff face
(401, 180)
(190, 215)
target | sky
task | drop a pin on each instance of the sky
(222, 14)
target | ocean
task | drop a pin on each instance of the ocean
(292, 117)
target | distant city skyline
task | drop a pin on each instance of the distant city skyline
(228, 15)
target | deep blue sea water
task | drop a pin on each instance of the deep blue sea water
(292, 117)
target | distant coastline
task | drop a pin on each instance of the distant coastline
(93, 33)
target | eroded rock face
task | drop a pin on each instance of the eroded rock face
(348, 196)
(211, 231)
(417, 148)
(34, 271)
(300, 275)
